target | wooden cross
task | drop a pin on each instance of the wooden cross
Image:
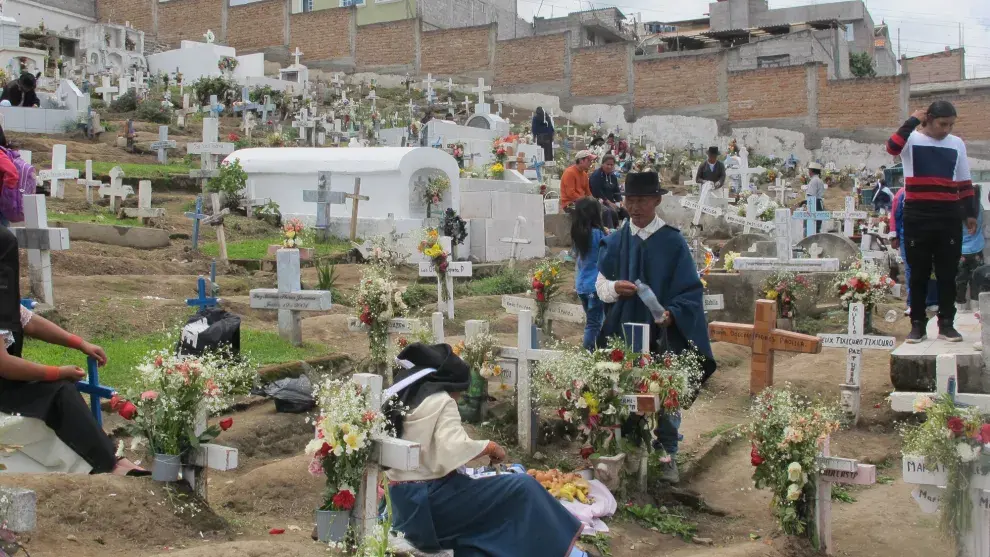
(454, 269)
(355, 198)
(700, 207)
(835, 470)
(106, 89)
(784, 259)
(744, 172)
(515, 240)
(39, 241)
(88, 182)
(216, 220)
(144, 210)
(163, 144)
(58, 172)
(208, 150)
(289, 298)
(116, 189)
(750, 221)
(186, 110)
(197, 216)
(854, 342)
(764, 338)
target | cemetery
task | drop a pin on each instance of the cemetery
(265, 241)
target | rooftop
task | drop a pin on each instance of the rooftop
(947, 52)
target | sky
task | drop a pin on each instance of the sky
(925, 26)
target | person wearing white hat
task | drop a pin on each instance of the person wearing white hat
(816, 189)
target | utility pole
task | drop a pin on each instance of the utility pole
(515, 20)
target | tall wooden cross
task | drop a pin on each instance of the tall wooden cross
(454, 269)
(854, 342)
(289, 298)
(208, 150)
(355, 198)
(88, 182)
(515, 240)
(58, 172)
(163, 144)
(784, 260)
(216, 219)
(765, 338)
(39, 241)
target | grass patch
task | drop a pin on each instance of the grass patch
(504, 282)
(601, 542)
(841, 493)
(661, 520)
(131, 170)
(257, 248)
(263, 348)
(418, 295)
(884, 479)
(101, 217)
(724, 428)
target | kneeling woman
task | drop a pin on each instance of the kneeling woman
(436, 507)
(48, 393)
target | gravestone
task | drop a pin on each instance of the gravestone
(556, 311)
(144, 210)
(454, 269)
(58, 172)
(88, 183)
(515, 240)
(784, 260)
(289, 298)
(163, 144)
(835, 470)
(831, 246)
(39, 241)
(116, 189)
(208, 150)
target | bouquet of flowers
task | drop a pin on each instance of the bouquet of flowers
(379, 299)
(436, 186)
(292, 234)
(787, 433)
(453, 226)
(952, 438)
(863, 283)
(772, 175)
(430, 247)
(729, 260)
(733, 147)
(499, 150)
(784, 286)
(545, 284)
(174, 394)
(496, 171)
(457, 151)
(480, 353)
(345, 428)
(227, 64)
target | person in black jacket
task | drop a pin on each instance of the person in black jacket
(605, 188)
(20, 92)
(712, 170)
(543, 132)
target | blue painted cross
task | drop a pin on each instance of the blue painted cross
(637, 335)
(197, 216)
(246, 103)
(93, 388)
(537, 165)
(811, 215)
(202, 301)
(600, 122)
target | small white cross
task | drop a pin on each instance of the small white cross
(481, 89)
(297, 54)
(88, 182)
(58, 172)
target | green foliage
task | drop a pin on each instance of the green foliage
(258, 94)
(257, 248)
(225, 90)
(417, 295)
(861, 65)
(601, 542)
(841, 493)
(154, 111)
(230, 182)
(327, 275)
(270, 213)
(506, 281)
(661, 520)
(95, 216)
(139, 171)
(124, 103)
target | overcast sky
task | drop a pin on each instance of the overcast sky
(925, 25)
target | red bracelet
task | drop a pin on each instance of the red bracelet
(75, 342)
(51, 374)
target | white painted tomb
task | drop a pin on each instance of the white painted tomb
(196, 60)
(491, 209)
(12, 53)
(39, 449)
(97, 55)
(67, 105)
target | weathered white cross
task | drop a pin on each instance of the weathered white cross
(186, 110)
(297, 54)
(835, 470)
(163, 144)
(750, 220)
(454, 269)
(700, 207)
(854, 342)
(783, 192)
(208, 150)
(40, 241)
(88, 182)
(784, 260)
(481, 89)
(556, 311)
(144, 210)
(744, 172)
(116, 189)
(248, 124)
(323, 198)
(515, 240)
(58, 172)
(289, 298)
(305, 124)
(107, 90)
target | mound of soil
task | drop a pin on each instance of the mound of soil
(281, 491)
(253, 549)
(263, 434)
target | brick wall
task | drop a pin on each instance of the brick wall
(768, 93)
(530, 60)
(973, 122)
(452, 51)
(600, 71)
(188, 20)
(386, 44)
(323, 34)
(934, 68)
(852, 104)
(138, 12)
(676, 82)
(254, 26)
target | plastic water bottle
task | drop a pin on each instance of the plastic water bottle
(650, 299)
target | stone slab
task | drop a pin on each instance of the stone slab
(484, 235)
(742, 242)
(18, 508)
(127, 236)
(912, 366)
(833, 246)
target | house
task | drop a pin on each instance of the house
(948, 65)
(589, 27)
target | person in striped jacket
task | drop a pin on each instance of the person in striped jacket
(938, 196)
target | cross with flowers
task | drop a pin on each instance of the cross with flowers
(438, 250)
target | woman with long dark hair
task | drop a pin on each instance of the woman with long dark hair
(43, 392)
(543, 132)
(587, 233)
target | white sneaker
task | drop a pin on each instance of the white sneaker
(932, 308)
(907, 311)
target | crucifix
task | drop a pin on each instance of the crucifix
(116, 189)
(106, 89)
(58, 172)
(39, 241)
(744, 172)
(88, 182)
(429, 81)
(515, 240)
(163, 144)
(297, 54)
(144, 210)
(208, 150)
(289, 298)
(454, 269)
(784, 259)
(765, 338)
(700, 207)
(835, 470)
(216, 220)
(854, 342)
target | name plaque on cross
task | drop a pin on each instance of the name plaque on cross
(213, 148)
(270, 298)
(454, 269)
(844, 341)
(572, 313)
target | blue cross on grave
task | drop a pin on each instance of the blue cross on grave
(197, 216)
(215, 108)
(202, 301)
(600, 122)
(811, 216)
(246, 103)
(93, 388)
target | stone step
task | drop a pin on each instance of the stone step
(912, 366)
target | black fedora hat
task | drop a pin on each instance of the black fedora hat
(642, 184)
(713, 150)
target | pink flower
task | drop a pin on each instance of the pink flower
(149, 395)
(316, 467)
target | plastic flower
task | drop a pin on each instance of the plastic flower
(754, 457)
(966, 452)
(793, 492)
(226, 424)
(344, 500)
(955, 425)
(794, 471)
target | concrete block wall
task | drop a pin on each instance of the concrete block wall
(257, 25)
(451, 52)
(532, 61)
(188, 20)
(388, 45)
(323, 34)
(672, 82)
(863, 102)
(769, 93)
(973, 107)
(601, 71)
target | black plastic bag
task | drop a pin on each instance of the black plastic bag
(292, 395)
(980, 282)
(210, 330)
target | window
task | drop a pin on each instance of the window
(778, 61)
(307, 5)
(850, 35)
(348, 3)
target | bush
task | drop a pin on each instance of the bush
(417, 295)
(225, 90)
(154, 111)
(505, 282)
(257, 95)
(230, 182)
(124, 103)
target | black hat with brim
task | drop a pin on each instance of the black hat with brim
(641, 184)
(713, 150)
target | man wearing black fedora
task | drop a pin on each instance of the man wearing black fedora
(712, 170)
(648, 250)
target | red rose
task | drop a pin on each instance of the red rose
(537, 285)
(655, 376)
(617, 355)
(402, 342)
(443, 267)
(127, 411)
(671, 401)
(643, 387)
(115, 402)
(540, 296)
(324, 450)
(560, 412)
(754, 457)
(159, 361)
(343, 500)
(843, 288)
(667, 361)
(956, 425)
(226, 424)
(366, 318)
(587, 451)
(985, 433)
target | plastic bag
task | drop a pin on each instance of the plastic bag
(292, 395)
(209, 330)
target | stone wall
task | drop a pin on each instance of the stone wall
(458, 51)
(392, 44)
(531, 60)
(257, 25)
(188, 20)
(769, 93)
(323, 34)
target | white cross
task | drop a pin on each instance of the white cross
(467, 104)
(450, 85)
(289, 298)
(744, 171)
(123, 85)
(58, 172)
(699, 206)
(116, 188)
(88, 182)
(248, 124)
(784, 259)
(163, 144)
(412, 107)
(515, 240)
(40, 241)
(556, 311)
(750, 220)
(209, 36)
(107, 90)
(297, 54)
(835, 470)
(849, 216)
(305, 125)
(144, 209)
(208, 150)
(854, 342)
(336, 80)
(454, 269)
(783, 192)
(372, 96)
(429, 81)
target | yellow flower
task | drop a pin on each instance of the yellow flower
(592, 403)
(290, 234)
(546, 283)
(497, 370)
(538, 276)
(771, 294)
(458, 348)
(433, 251)
(554, 272)
(345, 428)
(354, 440)
(704, 283)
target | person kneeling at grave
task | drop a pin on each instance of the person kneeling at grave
(20, 91)
(43, 392)
(646, 275)
(435, 506)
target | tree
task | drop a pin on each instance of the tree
(861, 65)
